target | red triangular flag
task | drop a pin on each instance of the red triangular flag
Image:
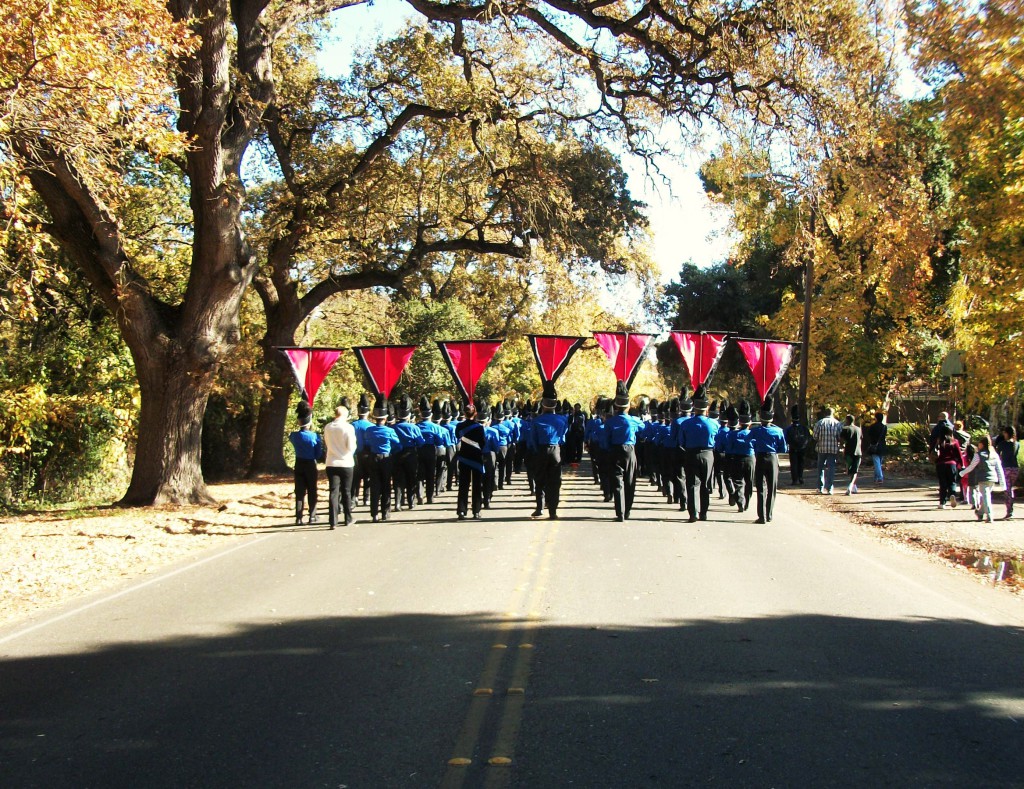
(467, 360)
(553, 353)
(768, 361)
(625, 351)
(701, 351)
(383, 365)
(311, 366)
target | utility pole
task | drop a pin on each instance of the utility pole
(805, 332)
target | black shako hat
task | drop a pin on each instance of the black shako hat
(732, 415)
(304, 413)
(767, 410)
(403, 408)
(380, 408)
(743, 415)
(700, 397)
(424, 406)
(794, 412)
(364, 404)
(621, 395)
(685, 403)
(713, 410)
(549, 398)
(483, 411)
(345, 404)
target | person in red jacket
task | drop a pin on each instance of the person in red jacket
(948, 462)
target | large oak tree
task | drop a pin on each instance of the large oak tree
(778, 63)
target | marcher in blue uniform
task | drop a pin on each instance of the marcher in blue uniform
(406, 470)
(549, 431)
(309, 448)
(491, 446)
(382, 443)
(622, 430)
(471, 437)
(722, 479)
(769, 442)
(432, 449)
(696, 437)
(740, 450)
(360, 473)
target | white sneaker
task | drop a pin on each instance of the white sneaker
(943, 506)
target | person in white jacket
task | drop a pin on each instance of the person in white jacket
(340, 438)
(989, 476)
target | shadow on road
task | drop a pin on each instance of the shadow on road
(379, 701)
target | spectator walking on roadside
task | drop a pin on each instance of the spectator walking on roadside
(826, 444)
(875, 438)
(948, 462)
(1006, 446)
(852, 450)
(938, 431)
(989, 475)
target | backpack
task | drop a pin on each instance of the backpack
(798, 437)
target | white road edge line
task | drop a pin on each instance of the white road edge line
(133, 588)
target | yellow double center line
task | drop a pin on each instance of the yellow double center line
(520, 627)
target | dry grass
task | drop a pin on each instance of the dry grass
(52, 557)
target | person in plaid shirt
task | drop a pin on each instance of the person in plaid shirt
(826, 444)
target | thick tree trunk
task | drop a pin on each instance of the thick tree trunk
(168, 453)
(268, 444)
(284, 315)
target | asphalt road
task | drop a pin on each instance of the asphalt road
(428, 652)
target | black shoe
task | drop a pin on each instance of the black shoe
(692, 519)
(553, 515)
(703, 516)
(619, 518)
(626, 515)
(331, 528)
(476, 516)
(537, 514)
(759, 520)
(386, 517)
(462, 516)
(373, 519)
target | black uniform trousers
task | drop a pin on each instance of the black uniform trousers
(742, 479)
(677, 476)
(796, 465)
(405, 470)
(441, 461)
(699, 468)
(548, 478)
(500, 462)
(470, 480)
(359, 478)
(380, 469)
(719, 475)
(426, 458)
(511, 453)
(305, 484)
(624, 470)
(766, 472)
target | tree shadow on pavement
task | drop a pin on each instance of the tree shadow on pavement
(379, 701)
